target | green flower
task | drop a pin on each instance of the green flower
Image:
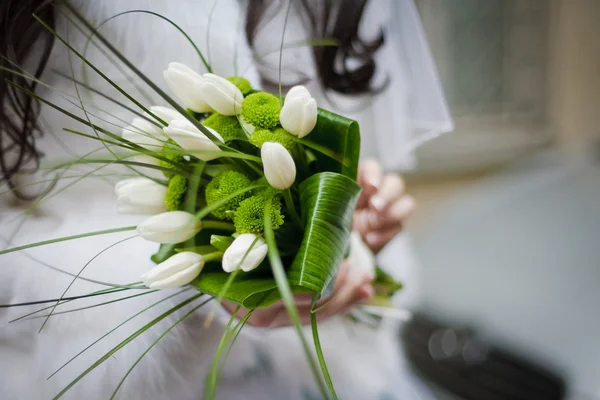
(175, 192)
(227, 126)
(279, 135)
(249, 217)
(261, 110)
(223, 185)
(168, 153)
(242, 83)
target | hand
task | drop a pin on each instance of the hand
(351, 287)
(383, 206)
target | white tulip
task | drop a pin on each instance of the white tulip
(184, 82)
(170, 227)
(167, 114)
(191, 139)
(178, 270)
(144, 134)
(278, 165)
(223, 96)
(298, 115)
(233, 258)
(140, 196)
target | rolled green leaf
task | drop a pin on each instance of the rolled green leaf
(327, 200)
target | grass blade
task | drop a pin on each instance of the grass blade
(93, 305)
(125, 342)
(189, 39)
(66, 238)
(154, 344)
(210, 386)
(105, 291)
(117, 327)
(99, 292)
(79, 273)
(106, 78)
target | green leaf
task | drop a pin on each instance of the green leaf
(340, 137)
(385, 285)
(327, 200)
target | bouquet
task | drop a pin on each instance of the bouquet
(255, 200)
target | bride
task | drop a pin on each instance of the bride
(370, 75)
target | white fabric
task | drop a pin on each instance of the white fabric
(411, 110)
(364, 363)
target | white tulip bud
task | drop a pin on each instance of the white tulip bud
(144, 134)
(223, 96)
(167, 114)
(178, 270)
(170, 227)
(247, 245)
(184, 81)
(191, 139)
(298, 115)
(140, 196)
(278, 165)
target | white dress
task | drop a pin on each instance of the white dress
(364, 364)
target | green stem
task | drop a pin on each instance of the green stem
(64, 239)
(288, 300)
(289, 203)
(216, 256)
(226, 226)
(320, 356)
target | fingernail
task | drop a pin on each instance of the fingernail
(378, 202)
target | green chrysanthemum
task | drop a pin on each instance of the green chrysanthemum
(168, 153)
(175, 192)
(279, 135)
(242, 83)
(249, 217)
(223, 185)
(227, 126)
(261, 110)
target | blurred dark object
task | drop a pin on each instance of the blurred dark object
(455, 360)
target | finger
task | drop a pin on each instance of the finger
(370, 176)
(360, 221)
(362, 294)
(264, 317)
(395, 215)
(391, 189)
(377, 240)
(303, 299)
(341, 277)
(344, 297)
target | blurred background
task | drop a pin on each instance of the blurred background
(507, 233)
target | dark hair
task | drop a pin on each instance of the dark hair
(24, 40)
(20, 37)
(330, 19)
